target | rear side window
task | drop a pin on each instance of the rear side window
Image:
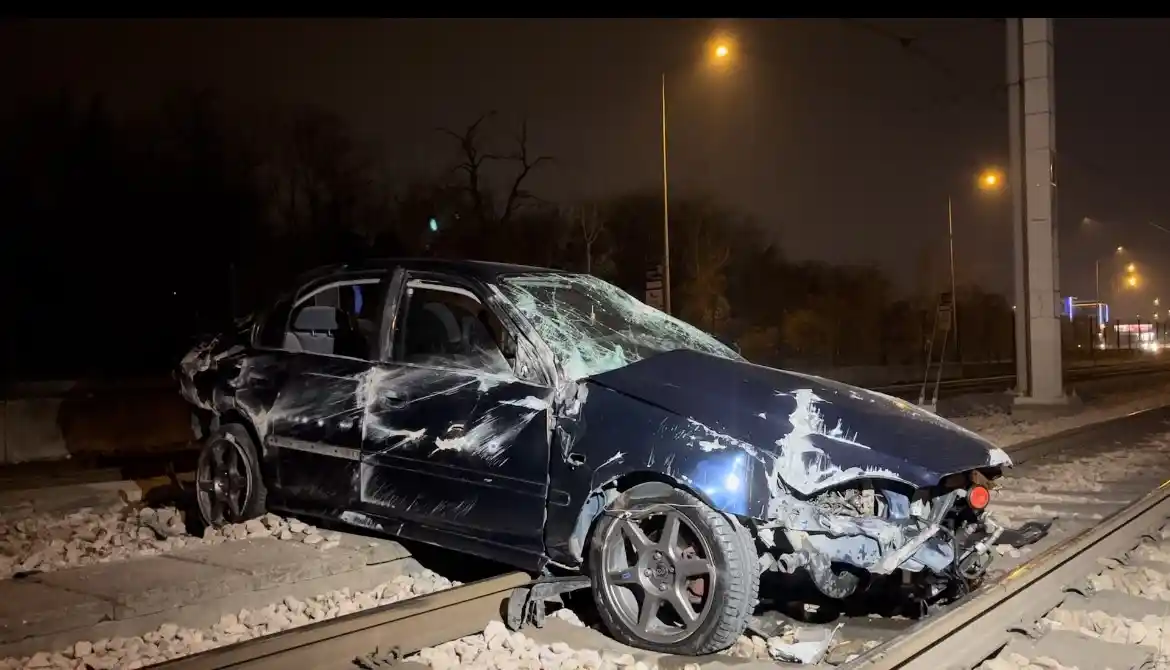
(339, 319)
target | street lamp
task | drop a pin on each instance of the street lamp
(720, 52)
(990, 180)
(1097, 270)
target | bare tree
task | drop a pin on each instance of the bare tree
(474, 158)
(525, 163)
(588, 221)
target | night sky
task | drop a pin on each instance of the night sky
(831, 134)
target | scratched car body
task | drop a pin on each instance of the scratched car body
(551, 421)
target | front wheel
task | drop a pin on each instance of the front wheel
(670, 574)
(228, 484)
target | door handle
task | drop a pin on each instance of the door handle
(575, 459)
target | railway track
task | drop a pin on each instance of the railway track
(1080, 488)
(996, 383)
(1051, 611)
(1029, 583)
(389, 632)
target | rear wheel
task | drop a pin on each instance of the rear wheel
(228, 484)
(670, 574)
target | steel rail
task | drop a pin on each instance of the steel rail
(998, 382)
(404, 627)
(971, 632)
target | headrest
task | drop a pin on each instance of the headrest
(316, 318)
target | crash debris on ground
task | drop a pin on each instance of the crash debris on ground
(170, 641)
(43, 542)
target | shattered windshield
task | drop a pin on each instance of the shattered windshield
(593, 326)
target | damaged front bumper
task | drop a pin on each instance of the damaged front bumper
(941, 539)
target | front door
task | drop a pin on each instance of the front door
(454, 441)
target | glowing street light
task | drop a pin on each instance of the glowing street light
(1097, 271)
(720, 52)
(1131, 281)
(991, 179)
(1131, 268)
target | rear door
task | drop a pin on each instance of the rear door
(456, 441)
(315, 425)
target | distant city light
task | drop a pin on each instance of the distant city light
(434, 225)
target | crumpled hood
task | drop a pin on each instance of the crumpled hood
(813, 432)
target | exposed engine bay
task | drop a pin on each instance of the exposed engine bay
(931, 544)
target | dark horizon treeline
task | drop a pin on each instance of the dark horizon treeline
(126, 235)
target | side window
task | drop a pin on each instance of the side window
(338, 319)
(449, 327)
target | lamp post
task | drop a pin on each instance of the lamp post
(720, 51)
(1097, 270)
(990, 180)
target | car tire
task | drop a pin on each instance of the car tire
(730, 580)
(229, 484)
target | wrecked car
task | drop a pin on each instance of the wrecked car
(553, 422)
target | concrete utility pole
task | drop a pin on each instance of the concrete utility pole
(1032, 142)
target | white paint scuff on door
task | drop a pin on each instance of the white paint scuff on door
(488, 439)
(531, 402)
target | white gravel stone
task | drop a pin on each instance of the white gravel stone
(497, 647)
(1134, 580)
(1082, 474)
(1018, 662)
(42, 542)
(170, 641)
(1005, 430)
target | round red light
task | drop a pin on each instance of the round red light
(978, 497)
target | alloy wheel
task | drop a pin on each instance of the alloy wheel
(223, 483)
(658, 575)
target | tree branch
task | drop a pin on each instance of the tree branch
(516, 194)
(473, 160)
